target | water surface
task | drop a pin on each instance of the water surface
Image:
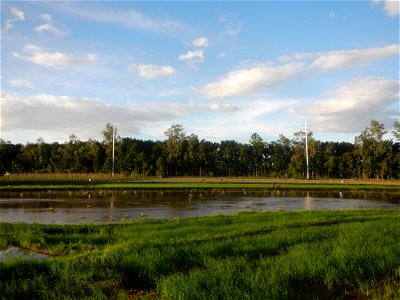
(108, 206)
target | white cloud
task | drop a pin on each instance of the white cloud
(137, 19)
(56, 117)
(250, 80)
(21, 83)
(152, 71)
(217, 107)
(342, 59)
(391, 7)
(46, 17)
(335, 60)
(332, 14)
(353, 104)
(36, 55)
(200, 42)
(131, 19)
(8, 24)
(51, 28)
(18, 14)
(193, 57)
(190, 55)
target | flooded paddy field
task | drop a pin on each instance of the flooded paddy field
(116, 205)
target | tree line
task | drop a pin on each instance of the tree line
(370, 156)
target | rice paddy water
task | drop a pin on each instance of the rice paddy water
(115, 205)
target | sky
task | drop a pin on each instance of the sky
(223, 70)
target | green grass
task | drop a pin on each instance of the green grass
(271, 255)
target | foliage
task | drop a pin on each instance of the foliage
(271, 255)
(185, 155)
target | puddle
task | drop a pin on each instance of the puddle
(15, 252)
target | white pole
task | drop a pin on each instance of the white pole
(113, 150)
(305, 127)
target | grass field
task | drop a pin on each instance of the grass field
(270, 255)
(118, 181)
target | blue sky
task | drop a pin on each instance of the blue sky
(223, 70)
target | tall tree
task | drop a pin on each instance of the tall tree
(257, 152)
(280, 153)
(175, 137)
(110, 134)
(370, 150)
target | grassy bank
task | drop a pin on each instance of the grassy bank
(86, 182)
(281, 255)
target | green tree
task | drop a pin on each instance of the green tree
(8, 155)
(228, 158)
(257, 153)
(298, 163)
(370, 150)
(109, 132)
(175, 137)
(280, 153)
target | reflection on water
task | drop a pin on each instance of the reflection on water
(106, 206)
(15, 252)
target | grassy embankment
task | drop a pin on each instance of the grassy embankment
(271, 255)
(118, 181)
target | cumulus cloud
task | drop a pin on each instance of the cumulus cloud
(353, 104)
(391, 7)
(38, 56)
(193, 57)
(249, 80)
(200, 42)
(55, 117)
(152, 71)
(20, 83)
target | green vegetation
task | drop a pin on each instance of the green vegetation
(227, 184)
(271, 255)
(370, 156)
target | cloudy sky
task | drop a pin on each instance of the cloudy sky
(223, 70)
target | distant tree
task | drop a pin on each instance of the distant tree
(370, 150)
(257, 153)
(109, 132)
(228, 158)
(298, 164)
(175, 137)
(8, 154)
(370, 156)
(280, 153)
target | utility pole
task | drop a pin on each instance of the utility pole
(305, 128)
(113, 149)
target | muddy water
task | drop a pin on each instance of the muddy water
(108, 206)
